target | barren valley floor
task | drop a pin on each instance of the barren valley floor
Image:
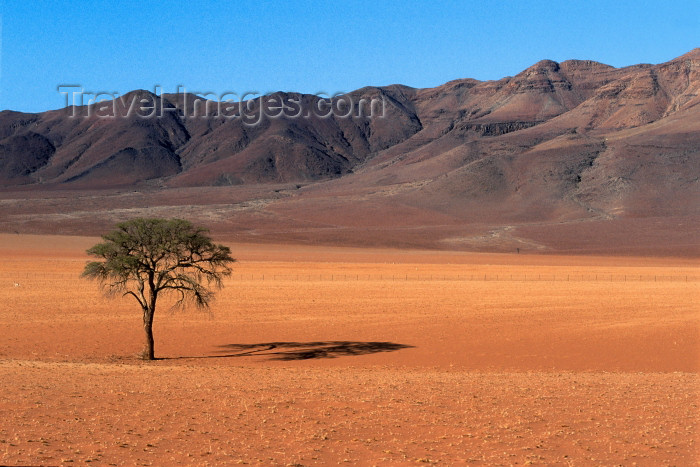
(318, 355)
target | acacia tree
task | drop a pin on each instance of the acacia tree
(146, 258)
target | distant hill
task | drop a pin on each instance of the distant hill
(558, 142)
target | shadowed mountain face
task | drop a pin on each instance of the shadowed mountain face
(187, 140)
(557, 143)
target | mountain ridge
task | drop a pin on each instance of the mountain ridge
(558, 142)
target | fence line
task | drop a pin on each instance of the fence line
(465, 277)
(476, 277)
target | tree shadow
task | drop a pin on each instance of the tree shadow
(289, 351)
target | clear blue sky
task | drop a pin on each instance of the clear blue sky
(316, 46)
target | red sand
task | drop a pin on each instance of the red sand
(365, 356)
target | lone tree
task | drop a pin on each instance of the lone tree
(148, 257)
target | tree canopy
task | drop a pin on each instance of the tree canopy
(148, 257)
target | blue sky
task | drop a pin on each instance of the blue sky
(316, 46)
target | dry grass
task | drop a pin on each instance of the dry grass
(293, 369)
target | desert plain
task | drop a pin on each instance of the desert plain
(317, 355)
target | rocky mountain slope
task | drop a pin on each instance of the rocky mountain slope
(559, 142)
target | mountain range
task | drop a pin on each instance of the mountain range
(571, 156)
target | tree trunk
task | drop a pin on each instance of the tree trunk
(150, 310)
(148, 351)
